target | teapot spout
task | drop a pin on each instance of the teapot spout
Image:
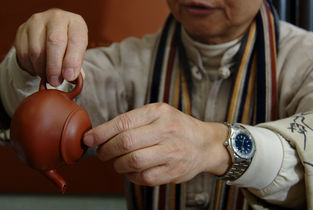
(57, 179)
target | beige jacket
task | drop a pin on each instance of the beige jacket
(117, 80)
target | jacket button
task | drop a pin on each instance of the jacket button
(224, 73)
(196, 72)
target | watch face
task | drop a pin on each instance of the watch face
(243, 145)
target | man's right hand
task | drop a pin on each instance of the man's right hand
(52, 43)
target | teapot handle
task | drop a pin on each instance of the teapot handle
(72, 94)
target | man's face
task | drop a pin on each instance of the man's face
(214, 21)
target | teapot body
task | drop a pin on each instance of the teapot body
(46, 128)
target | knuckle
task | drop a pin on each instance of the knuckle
(135, 161)
(123, 122)
(148, 178)
(163, 107)
(56, 39)
(126, 142)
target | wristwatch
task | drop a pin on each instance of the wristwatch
(241, 147)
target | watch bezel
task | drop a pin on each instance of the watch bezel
(234, 134)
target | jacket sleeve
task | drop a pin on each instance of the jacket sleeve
(15, 84)
(115, 79)
(292, 185)
(297, 130)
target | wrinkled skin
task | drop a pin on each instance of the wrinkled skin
(215, 21)
(157, 144)
(154, 144)
(52, 43)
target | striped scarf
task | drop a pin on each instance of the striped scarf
(253, 99)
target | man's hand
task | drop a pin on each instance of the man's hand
(52, 43)
(158, 144)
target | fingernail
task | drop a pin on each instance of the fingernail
(54, 81)
(68, 74)
(89, 140)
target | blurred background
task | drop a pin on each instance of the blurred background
(108, 20)
(93, 184)
(297, 12)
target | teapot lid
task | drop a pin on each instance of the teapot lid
(77, 123)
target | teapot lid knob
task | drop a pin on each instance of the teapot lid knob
(72, 94)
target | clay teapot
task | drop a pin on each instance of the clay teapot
(47, 130)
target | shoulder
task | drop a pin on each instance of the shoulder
(295, 41)
(295, 69)
(295, 53)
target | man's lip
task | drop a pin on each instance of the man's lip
(198, 4)
(198, 8)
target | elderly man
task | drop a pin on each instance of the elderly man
(159, 104)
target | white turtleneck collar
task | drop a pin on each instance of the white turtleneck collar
(212, 60)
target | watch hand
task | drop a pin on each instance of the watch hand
(243, 142)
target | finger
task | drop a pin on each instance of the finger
(132, 119)
(76, 47)
(140, 160)
(129, 141)
(36, 39)
(21, 46)
(56, 45)
(161, 174)
(151, 177)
